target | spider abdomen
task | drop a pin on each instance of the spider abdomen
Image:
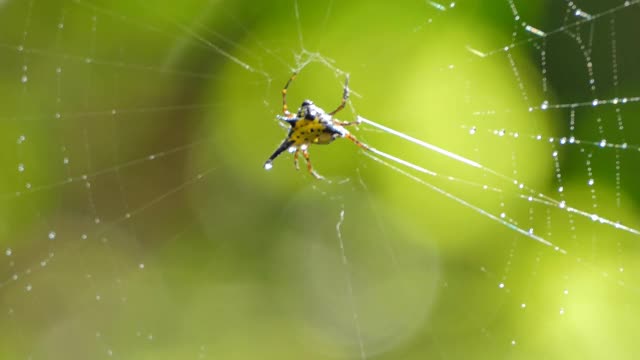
(312, 132)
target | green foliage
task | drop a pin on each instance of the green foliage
(145, 137)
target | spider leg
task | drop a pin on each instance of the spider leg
(284, 146)
(295, 159)
(305, 153)
(345, 97)
(291, 120)
(285, 109)
(353, 139)
(346, 123)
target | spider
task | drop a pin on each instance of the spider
(311, 125)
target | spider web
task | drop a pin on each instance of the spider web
(494, 217)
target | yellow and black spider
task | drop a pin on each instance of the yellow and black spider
(311, 125)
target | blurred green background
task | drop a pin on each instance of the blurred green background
(137, 222)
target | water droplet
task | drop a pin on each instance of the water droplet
(24, 79)
(141, 266)
(268, 165)
(473, 130)
(562, 204)
(60, 26)
(603, 143)
(21, 167)
(561, 311)
(58, 70)
(513, 342)
(8, 252)
(65, 160)
(52, 235)
(501, 285)
(595, 102)
(590, 182)
(28, 287)
(503, 215)
(545, 105)
(555, 153)
(523, 305)
(566, 291)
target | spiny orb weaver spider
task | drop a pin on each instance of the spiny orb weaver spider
(311, 125)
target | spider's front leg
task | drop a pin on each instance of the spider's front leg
(290, 119)
(345, 97)
(285, 109)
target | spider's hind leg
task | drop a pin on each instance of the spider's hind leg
(295, 159)
(354, 140)
(305, 153)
